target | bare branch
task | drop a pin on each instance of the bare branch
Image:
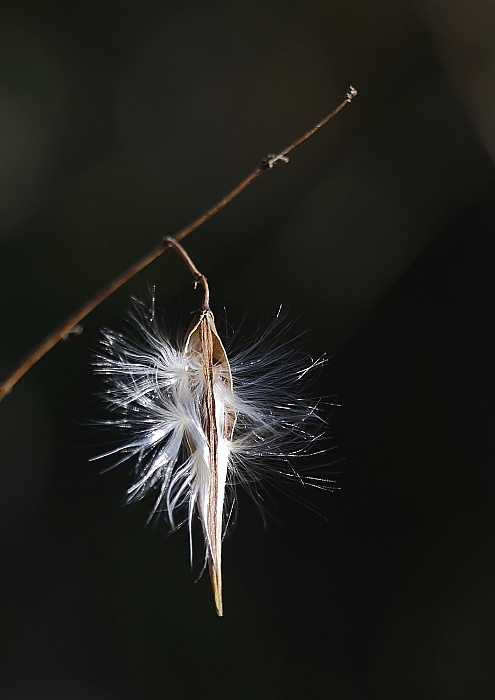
(62, 331)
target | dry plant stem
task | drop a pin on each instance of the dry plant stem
(198, 276)
(62, 331)
(282, 156)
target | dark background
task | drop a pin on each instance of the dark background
(120, 123)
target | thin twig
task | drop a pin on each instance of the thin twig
(67, 326)
(198, 276)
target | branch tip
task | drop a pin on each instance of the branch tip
(351, 93)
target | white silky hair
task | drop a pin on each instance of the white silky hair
(153, 390)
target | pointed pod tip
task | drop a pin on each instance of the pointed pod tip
(216, 585)
(218, 603)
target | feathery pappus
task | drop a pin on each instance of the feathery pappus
(197, 425)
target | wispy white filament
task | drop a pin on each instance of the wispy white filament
(156, 390)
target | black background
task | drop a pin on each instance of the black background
(120, 123)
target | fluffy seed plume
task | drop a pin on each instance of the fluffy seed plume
(195, 425)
